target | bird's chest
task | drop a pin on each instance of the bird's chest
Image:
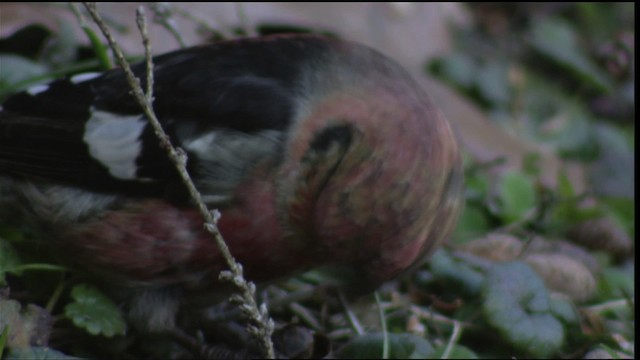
(152, 242)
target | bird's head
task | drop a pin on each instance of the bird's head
(372, 176)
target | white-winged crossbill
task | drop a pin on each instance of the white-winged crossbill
(316, 151)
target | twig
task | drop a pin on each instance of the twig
(455, 335)
(527, 217)
(55, 297)
(142, 26)
(383, 323)
(274, 304)
(76, 11)
(261, 325)
(435, 317)
(244, 20)
(205, 25)
(432, 316)
(162, 14)
(353, 320)
(305, 315)
(609, 305)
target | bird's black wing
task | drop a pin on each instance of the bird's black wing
(214, 101)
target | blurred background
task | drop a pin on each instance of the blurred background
(542, 98)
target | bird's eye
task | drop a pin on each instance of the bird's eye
(326, 151)
(340, 135)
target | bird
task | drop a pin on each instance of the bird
(316, 151)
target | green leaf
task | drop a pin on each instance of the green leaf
(517, 195)
(37, 352)
(94, 312)
(99, 48)
(493, 84)
(17, 70)
(63, 47)
(565, 188)
(473, 223)
(457, 273)
(567, 210)
(623, 210)
(557, 40)
(9, 260)
(11, 233)
(531, 164)
(564, 310)
(613, 172)
(615, 283)
(457, 352)
(477, 186)
(517, 304)
(402, 346)
(458, 68)
(3, 339)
